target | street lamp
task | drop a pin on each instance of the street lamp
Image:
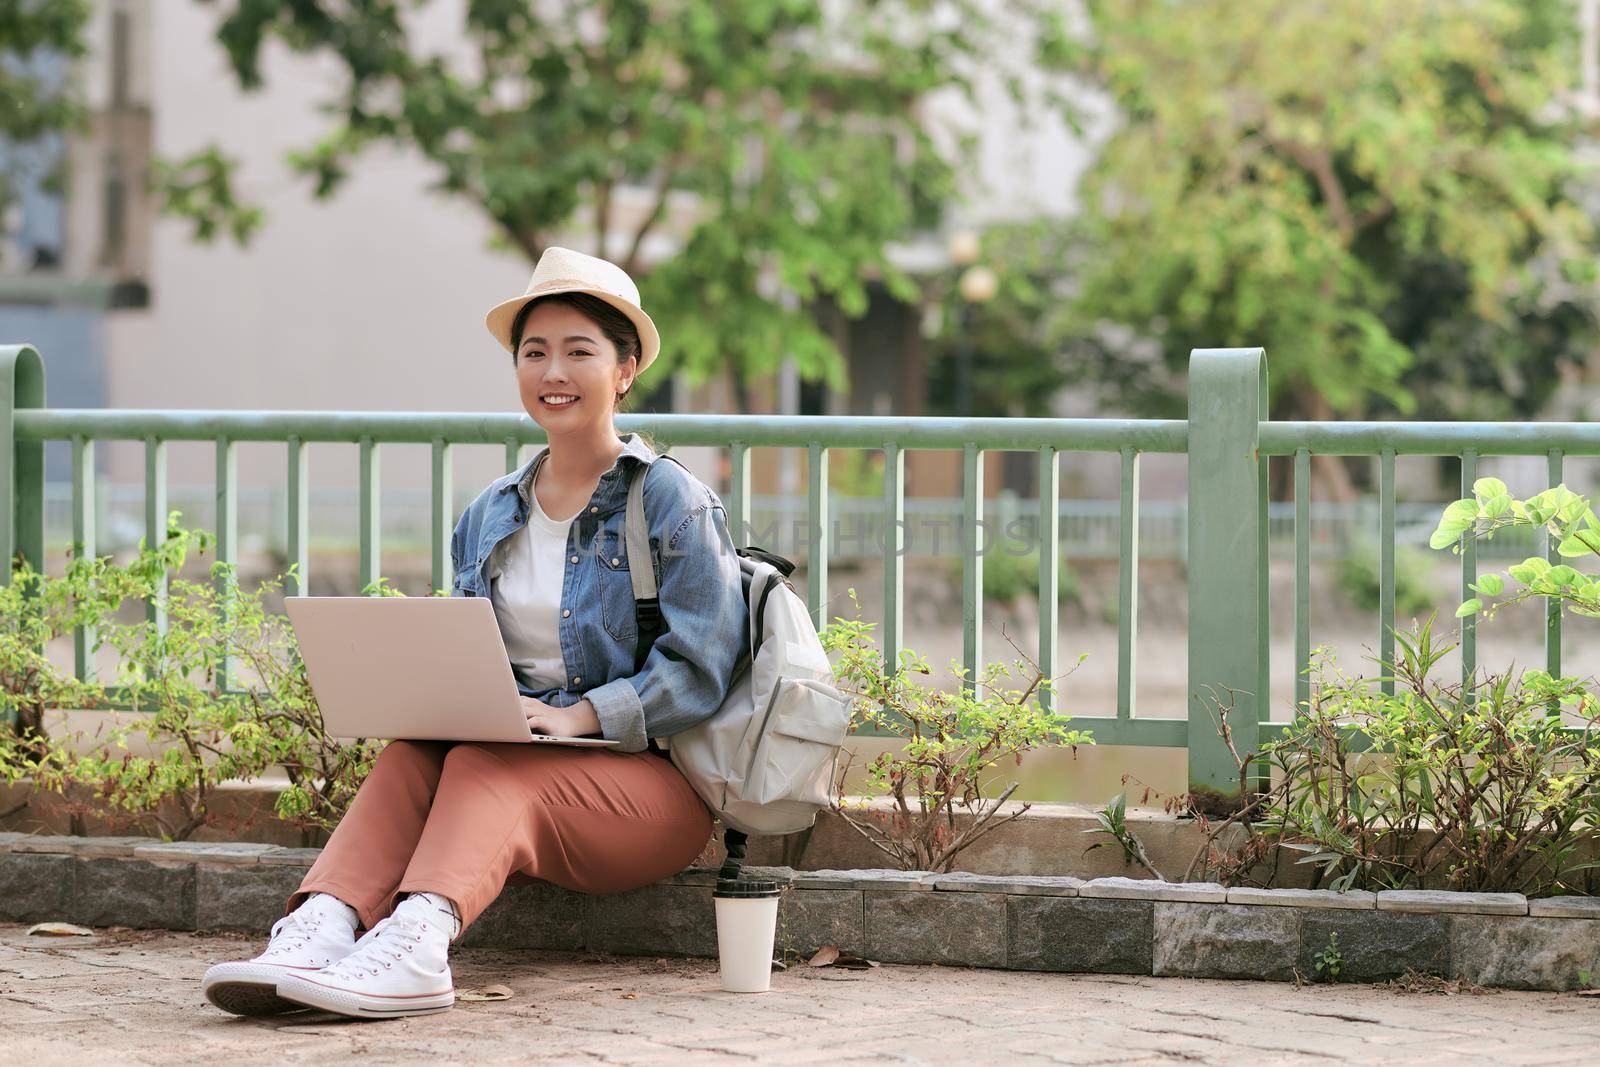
(977, 285)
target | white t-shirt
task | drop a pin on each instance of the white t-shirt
(525, 574)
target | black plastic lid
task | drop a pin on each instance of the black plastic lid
(746, 887)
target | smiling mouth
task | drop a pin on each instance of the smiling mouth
(558, 400)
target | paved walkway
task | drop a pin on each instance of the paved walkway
(133, 997)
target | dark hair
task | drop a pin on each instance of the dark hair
(617, 327)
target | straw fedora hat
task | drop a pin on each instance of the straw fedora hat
(561, 270)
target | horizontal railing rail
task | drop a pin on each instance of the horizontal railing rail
(1226, 518)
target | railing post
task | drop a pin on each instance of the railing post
(21, 462)
(1227, 565)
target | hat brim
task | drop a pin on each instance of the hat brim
(503, 315)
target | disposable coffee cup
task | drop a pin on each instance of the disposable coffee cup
(747, 925)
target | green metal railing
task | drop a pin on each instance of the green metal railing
(1228, 440)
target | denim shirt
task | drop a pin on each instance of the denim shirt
(704, 617)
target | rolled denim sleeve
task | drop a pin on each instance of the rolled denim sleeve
(692, 664)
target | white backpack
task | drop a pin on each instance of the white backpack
(764, 762)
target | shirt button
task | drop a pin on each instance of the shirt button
(576, 679)
(615, 561)
(566, 612)
(574, 559)
(594, 509)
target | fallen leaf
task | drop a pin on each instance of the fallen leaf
(488, 992)
(60, 930)
(850, 961)
(629, 996)
(825, 955)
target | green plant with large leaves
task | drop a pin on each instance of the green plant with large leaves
(1566, 517)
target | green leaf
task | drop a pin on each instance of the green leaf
(1470, 607)
(1490, 585)
(1487, 489)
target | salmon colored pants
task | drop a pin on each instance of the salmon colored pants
(460, 818)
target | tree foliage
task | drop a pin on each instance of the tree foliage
(792, 136)
(1383, 195)
(36, 99)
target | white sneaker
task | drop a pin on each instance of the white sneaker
(398, 967)
(309, 938)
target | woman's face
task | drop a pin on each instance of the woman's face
(563, 353)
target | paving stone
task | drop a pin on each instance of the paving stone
(1565, 908)
(1150, 889)
(1443, 902)
(808, 919)
(242, 896)
(1349, 900)
(866, 878)
(70, 844)
(708, 875)
(824, 880)
(656, 920)
(1375, 946)
(290, 857)
(1225, 941)
(1036, 884)
(133, 892)
(916, 926)
(203, 851)
(1522, 952)
(530, 915)
(1104, 936)
(35, 886)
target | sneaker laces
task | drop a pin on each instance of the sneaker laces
(293, 931)
(385, 944)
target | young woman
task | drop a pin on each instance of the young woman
(438, 827)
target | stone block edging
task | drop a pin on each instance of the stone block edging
(1028, 922)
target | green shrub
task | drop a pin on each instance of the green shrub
(170, 679)
(1357, 575)
(1008, 578)
(950, 743)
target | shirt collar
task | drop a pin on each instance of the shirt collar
(633, 446)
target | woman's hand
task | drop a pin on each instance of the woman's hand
(575, 721)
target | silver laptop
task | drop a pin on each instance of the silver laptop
(423, 668)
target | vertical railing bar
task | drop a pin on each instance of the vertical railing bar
(817, 549)
(443, 515)
(1128, 587)
(894, 563)
(227, 512)
(1386, 609)
(83, 544)
(513, 454)
(297, 495)
(1302, 579)
(972, 566)
(1552, 606)
(739, 493)
(371, 549)
(1469, 577)
(1050, 552)
(155, 522)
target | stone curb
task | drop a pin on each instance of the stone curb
(1107, 925)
